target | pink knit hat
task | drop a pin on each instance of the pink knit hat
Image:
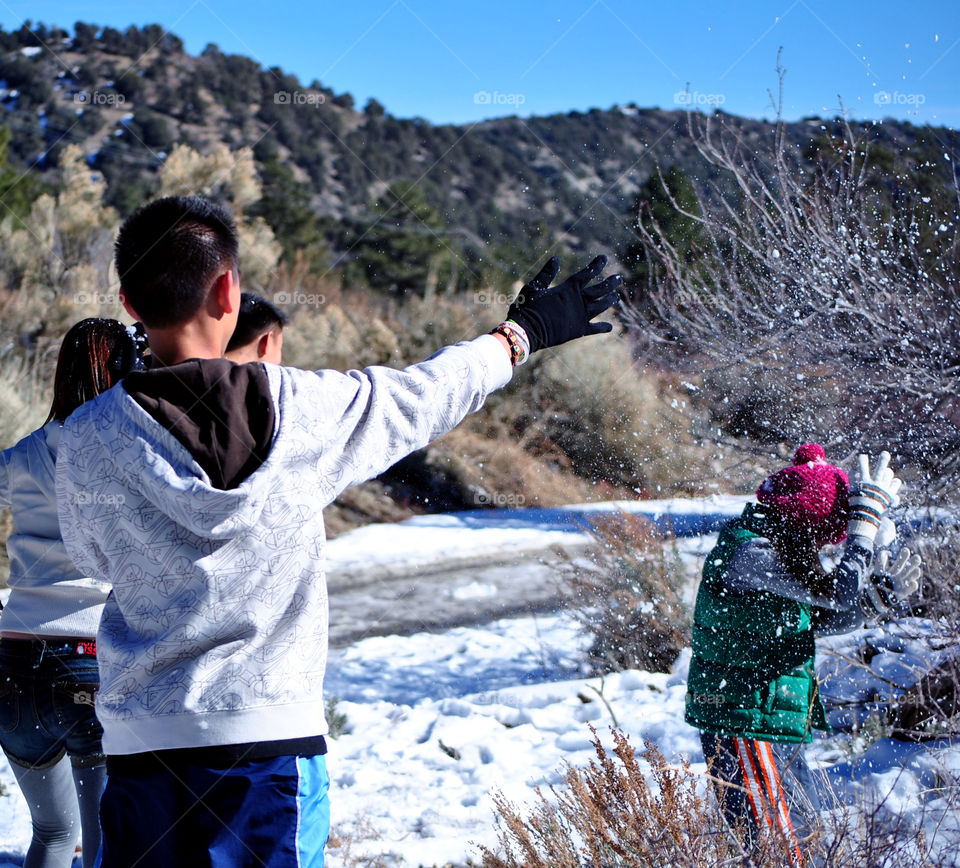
(811, 495)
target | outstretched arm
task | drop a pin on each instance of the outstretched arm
(362, 422)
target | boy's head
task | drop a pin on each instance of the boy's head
(258, 336)
(170, 254)
(811, 496)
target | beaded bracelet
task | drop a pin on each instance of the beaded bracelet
(516, 339)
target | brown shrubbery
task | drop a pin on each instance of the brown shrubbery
(610, 814)
(625, 811)
(627, 595)
(930, 708)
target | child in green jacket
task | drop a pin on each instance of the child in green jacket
(752, 689)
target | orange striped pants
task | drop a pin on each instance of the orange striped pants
(765, 786)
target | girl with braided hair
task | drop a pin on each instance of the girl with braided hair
(48, 664)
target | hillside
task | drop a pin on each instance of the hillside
(386, 238)
(496, 189)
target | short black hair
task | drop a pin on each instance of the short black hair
(257, 315)
(167, 254)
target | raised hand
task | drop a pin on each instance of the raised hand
(552, 315)
(871, 495)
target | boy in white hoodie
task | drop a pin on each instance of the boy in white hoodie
(205, 481)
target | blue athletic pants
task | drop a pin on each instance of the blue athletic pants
(269, 813)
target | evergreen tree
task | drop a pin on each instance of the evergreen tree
(285, 205)
(18, 190)
(397, 249)
(663, 219)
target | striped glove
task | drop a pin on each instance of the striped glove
(871, 496)
(890, 584)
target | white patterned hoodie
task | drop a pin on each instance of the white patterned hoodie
(215, 632)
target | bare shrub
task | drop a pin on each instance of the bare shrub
(834, 307)
(610, 814)
(930, 708)
(628, 812)
(876, 831)
(629, 596)
(939, 597)
(344, 844)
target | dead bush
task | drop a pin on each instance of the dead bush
(930, 708)
(621, 811)
(346, 845)
(835, 305)
(610, 814)
(628, 596)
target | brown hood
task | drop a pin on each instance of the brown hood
(220, 411)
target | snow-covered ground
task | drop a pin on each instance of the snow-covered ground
(437, 722)
(388, 549)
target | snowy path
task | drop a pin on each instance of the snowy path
(440, 571)
(451, 594)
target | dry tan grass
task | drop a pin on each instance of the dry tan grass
(498, 471)
(610, 814)
(344, 843)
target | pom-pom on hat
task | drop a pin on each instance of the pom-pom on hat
(810, 496)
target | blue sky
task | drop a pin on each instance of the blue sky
(462, 61)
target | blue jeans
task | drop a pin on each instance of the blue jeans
(47, 688)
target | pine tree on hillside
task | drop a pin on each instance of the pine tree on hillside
(397, 249)
(660, 207)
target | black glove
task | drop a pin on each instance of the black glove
(552, 315)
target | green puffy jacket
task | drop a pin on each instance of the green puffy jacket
(752, 673)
